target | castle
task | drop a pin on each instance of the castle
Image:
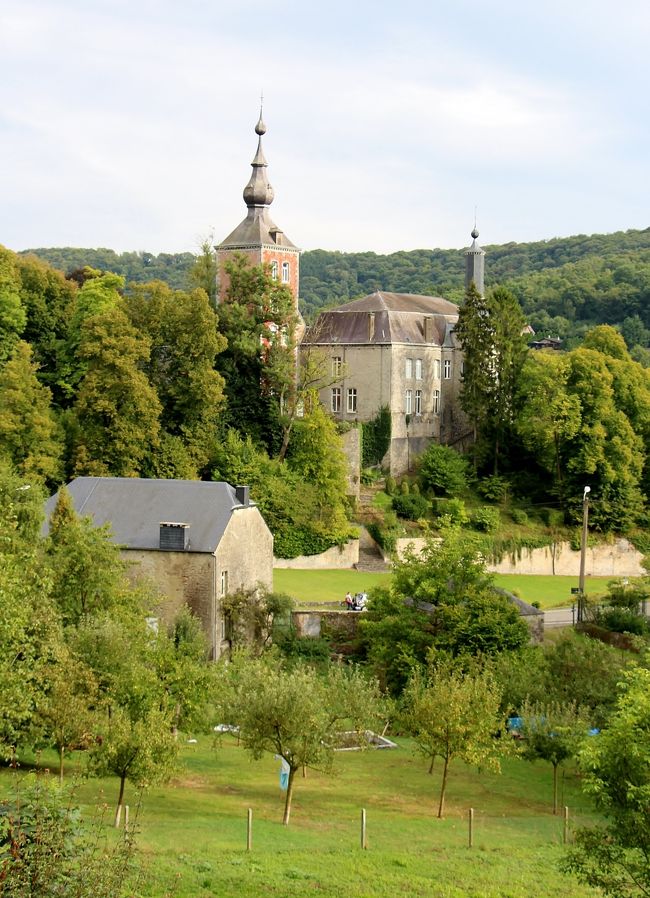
(394, 350)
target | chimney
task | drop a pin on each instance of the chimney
(371, 326)
(242, 495)
(428, 330)
(174, 537)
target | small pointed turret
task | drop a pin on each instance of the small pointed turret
(258, 191)
(475, 264)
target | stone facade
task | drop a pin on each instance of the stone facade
(336, 558)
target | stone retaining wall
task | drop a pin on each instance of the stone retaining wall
(345, 556)
(618, 559)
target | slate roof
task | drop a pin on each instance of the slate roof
(135, 508)
(255, 230)
(398, 318)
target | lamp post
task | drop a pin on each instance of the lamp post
(583, 553)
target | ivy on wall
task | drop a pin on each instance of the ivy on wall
(376, 438)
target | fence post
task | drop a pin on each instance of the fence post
(126, 819)
(249, 829)
(565, 835)
(364, 841)
(471, 827)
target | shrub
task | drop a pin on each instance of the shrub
(412, 507)
(620, 620)
(495, 488)
(486, 518)
(391, 485)
(519, 516)
(415, 489)
(553, 517)
(404, 488)
(443, 470)
(454, 509)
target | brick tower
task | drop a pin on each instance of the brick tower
(257, 237)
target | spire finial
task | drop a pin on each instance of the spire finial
(260, 127)
(474, 229)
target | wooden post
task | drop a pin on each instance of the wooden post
(565, 837)
(471, 827)
(126, 818)
(249, 829)
(364, 840)
(118, 816)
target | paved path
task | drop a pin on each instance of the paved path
(558, 617)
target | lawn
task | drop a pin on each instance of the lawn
(309, 587)
(192, 833)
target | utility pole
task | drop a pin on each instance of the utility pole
(583, 553)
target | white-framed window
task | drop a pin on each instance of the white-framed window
(352, 399)
(408, 402)
(335, 403)
(418, 369)
(418, 402)
(274, 270)
(224, 583)
(436, 369)
(285, 272)
(462, 369)
(408, 367)
(436, 402)
(337, 365)
(447, 369)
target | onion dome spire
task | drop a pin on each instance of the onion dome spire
(258, 191)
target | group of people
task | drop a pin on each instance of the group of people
(356, 602)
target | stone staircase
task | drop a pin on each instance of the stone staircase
(370, 558)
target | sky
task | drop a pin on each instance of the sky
(130, 125)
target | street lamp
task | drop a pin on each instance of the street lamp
(583, 553)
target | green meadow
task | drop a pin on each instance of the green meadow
(192, 833)
(309, 587)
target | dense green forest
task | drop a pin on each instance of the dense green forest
(564, 285)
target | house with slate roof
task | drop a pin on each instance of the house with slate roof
(196, 540)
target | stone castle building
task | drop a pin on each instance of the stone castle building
(390, 349)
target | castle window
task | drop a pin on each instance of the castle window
(352, 400)
(274, 270)
(436, 402)
(408, 402)
(408, 371)
(285, 272)
(418, 402)
(224, 583)
(337, 365)
(418, 369)
(436, 369)
(336, 399)
(447, 369)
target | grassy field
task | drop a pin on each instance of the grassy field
(309, 587)
(192, 833)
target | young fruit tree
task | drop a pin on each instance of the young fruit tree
(455, 715)
(297, 714)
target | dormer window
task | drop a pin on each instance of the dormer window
(174, 537)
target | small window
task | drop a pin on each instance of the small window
(274, 270)
(418, 402)
(337, 365)
(224, 627)
(224, 583)
(447, 369)
(285, 272)
(336, 399)
(408, 371)
(352, 400)
(436, 369)
(462, 369)
(418, 369)
(408, 402)
(436, 402)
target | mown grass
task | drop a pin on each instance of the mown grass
(314, 587)
(192, 833)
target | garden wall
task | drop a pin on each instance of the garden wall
(618, 559)
(345, 556)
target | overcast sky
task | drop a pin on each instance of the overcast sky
(130, 125)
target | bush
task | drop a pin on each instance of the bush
(412, 507)
(495, 488)
(391, 485)
(404, 488)
(454, 509)
(486, 519)
(443, 470)
(553, 517)
(519, 516)
(620, 620)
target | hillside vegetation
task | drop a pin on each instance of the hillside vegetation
(564, 285)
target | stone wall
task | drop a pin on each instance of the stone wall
(352, 448)
(618, 559)
(345, 556)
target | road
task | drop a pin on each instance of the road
(558, 617)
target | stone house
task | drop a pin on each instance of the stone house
(195, 540)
